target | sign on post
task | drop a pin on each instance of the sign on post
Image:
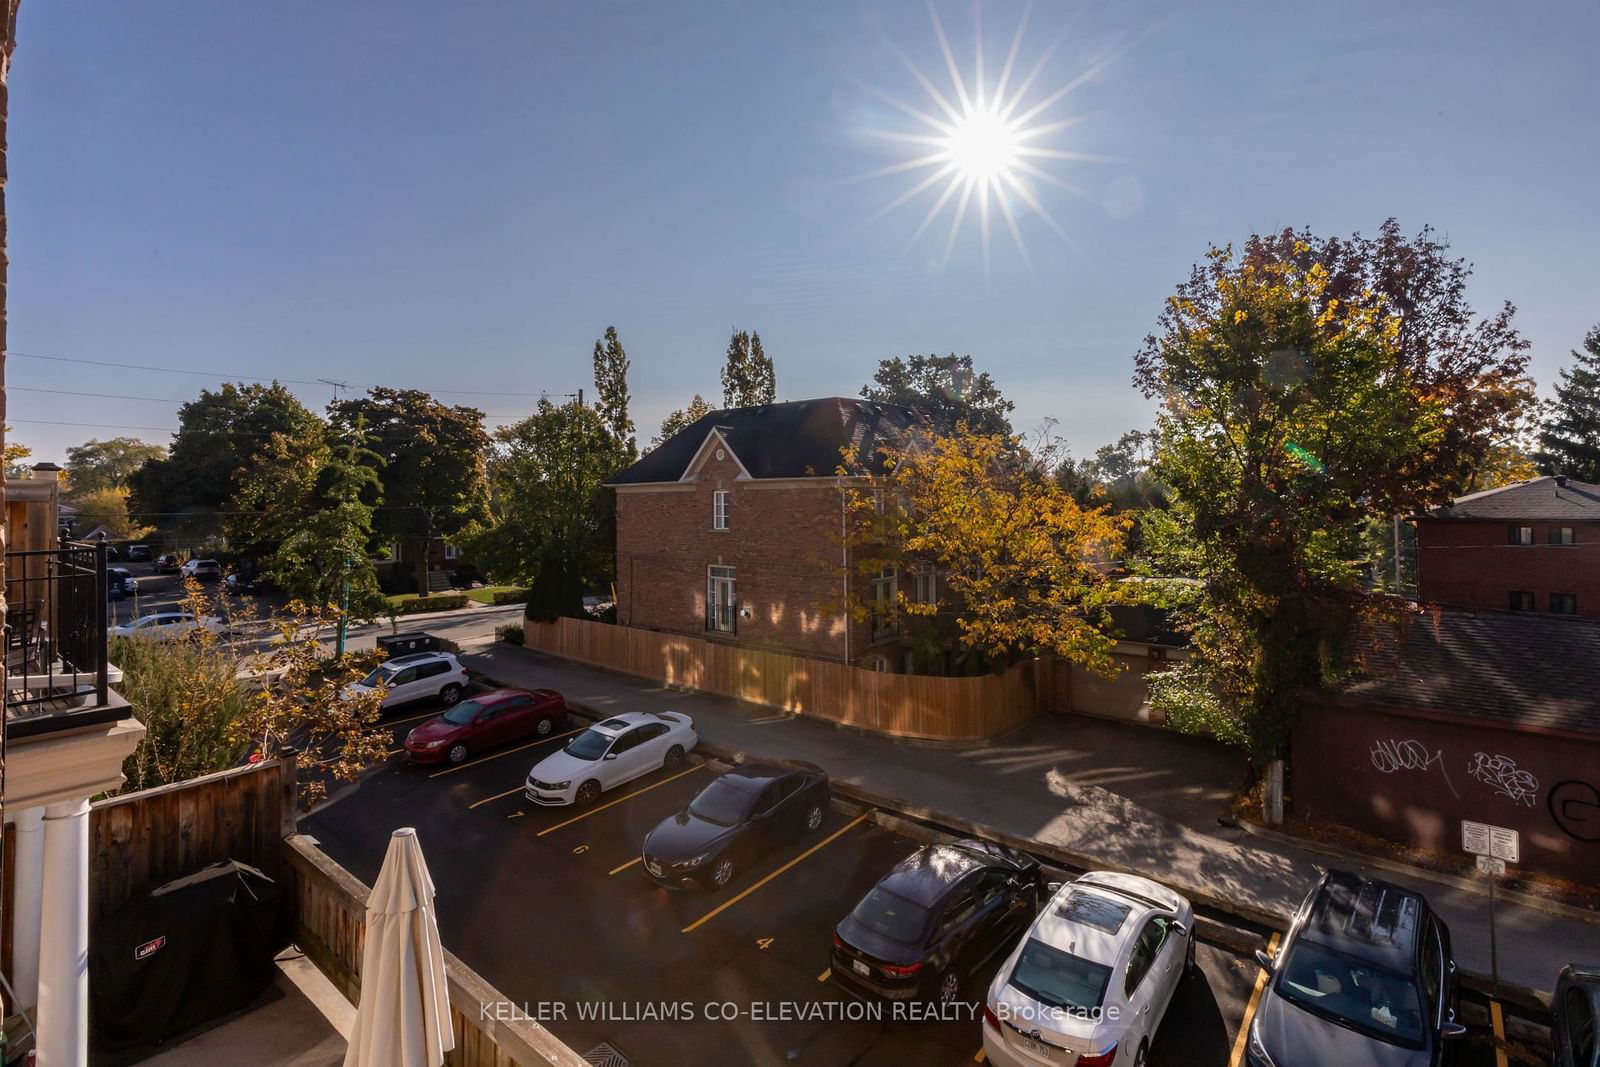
(1490, 865)
(1482, 839)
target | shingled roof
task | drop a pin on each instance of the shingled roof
(1531, 670)
(1537, 499)
(799, 439)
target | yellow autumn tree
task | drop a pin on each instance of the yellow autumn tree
(1020, 567)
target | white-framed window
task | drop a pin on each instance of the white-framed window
(925, 587)
(451, 551)
(882, 592)
(721, 599)
(880, 664)
(1562, 535)
(1519, 535)
(719, 510)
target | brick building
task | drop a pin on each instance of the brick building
(732, 530)
(1532, 546)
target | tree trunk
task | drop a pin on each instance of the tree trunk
(421, 565)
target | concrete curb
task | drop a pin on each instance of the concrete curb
(1526, 900)
(902, 816)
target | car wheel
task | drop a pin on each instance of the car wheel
(1143, 1053)
(949, 987)
(814, 817)
(673, 759)
(722, 872)
(587, 794)
(457, 753)
(544, 727)
(450, 694)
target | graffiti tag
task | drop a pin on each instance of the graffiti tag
(1502, 774)
(1394, 755)
(1575, 806)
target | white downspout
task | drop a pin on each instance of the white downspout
(28, 890)
(63, 1019)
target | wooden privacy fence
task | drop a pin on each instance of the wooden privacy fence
(490, 1030)
(902, 705)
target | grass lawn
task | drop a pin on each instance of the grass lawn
(483, 595)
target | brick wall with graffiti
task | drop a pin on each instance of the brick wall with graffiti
(1412, 779)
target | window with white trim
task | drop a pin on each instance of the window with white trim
(1562, 535)
(1519, 535)
(719, 510)
(451, 551)
(721, 599)
(925, 586)
(883, 602)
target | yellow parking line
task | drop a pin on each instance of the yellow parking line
(625, 866)
(980, 1057)
(1497, 1018)
(396, 751)
(825, 975)
(725, 905)
(497, 796)
(414, 718)
(507, 752)
(597, 809)
(1243, 1037)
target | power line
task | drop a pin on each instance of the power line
(251, 377)
(152, 399)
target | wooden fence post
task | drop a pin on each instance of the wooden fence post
(288, 790)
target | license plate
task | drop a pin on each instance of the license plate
(861, 968)
(1035, 1047)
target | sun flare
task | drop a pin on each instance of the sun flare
(981, 141)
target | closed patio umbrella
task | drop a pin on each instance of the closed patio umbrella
(404, 1016)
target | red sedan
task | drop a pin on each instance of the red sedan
(484, 721)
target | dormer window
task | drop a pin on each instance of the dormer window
(719, 510)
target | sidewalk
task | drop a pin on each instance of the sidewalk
(1121, 795)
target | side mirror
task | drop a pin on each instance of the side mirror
(1265, 961)
(1053, 887)
(1183, 931)
(1451, 1028)
(611, 755)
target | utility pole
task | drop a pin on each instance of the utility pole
(344, 609)
(336, 387)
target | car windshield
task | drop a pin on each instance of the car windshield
(381, 676)
(463, 713)
(1060, 979)
(589, 745)
(1352, 992)
(722, 802)
(892, 916)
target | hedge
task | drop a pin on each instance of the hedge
(509, 596)
(423, 604)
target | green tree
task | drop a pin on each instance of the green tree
(944, 387)
(1570, 438)
(16, 456)
(682, 419)
(432, 461)
(97, 465)
(748, 375)
(1292, 415)
(1119, 476)
(325, 552)
(220, 437)
(611, 392)
(553, 522)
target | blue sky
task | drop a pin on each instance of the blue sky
(463, 196)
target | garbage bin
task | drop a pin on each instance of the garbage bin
(184, 953)
(407, 643)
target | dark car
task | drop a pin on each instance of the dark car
(484, 721)
(740, 815)
(1364, 976)
(120, 583)
(240, 584)
(167, 564)
(140, 554)
(935, 920)
(1576, 1008)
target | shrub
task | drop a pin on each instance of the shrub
(422, 605)
(511, 635)
(509, 596)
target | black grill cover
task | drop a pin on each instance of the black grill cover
(183, 953)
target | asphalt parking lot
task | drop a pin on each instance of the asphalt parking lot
(552, 907)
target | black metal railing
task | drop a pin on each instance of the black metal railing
(55, 629)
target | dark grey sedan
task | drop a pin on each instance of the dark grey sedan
(1577, 1012)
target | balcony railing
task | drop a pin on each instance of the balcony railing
(55, 631)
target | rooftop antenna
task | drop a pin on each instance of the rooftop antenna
(336, 387)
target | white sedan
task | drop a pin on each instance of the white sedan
(1092, 978)
(167, 626)
(609, 754)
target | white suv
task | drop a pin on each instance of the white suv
(418, 676)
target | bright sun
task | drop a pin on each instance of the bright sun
(979, 141)
(983, 146)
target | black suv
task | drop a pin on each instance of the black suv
(1364, 976)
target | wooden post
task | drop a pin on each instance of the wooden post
(289, 790)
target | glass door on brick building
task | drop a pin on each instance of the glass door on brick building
(720, 599)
